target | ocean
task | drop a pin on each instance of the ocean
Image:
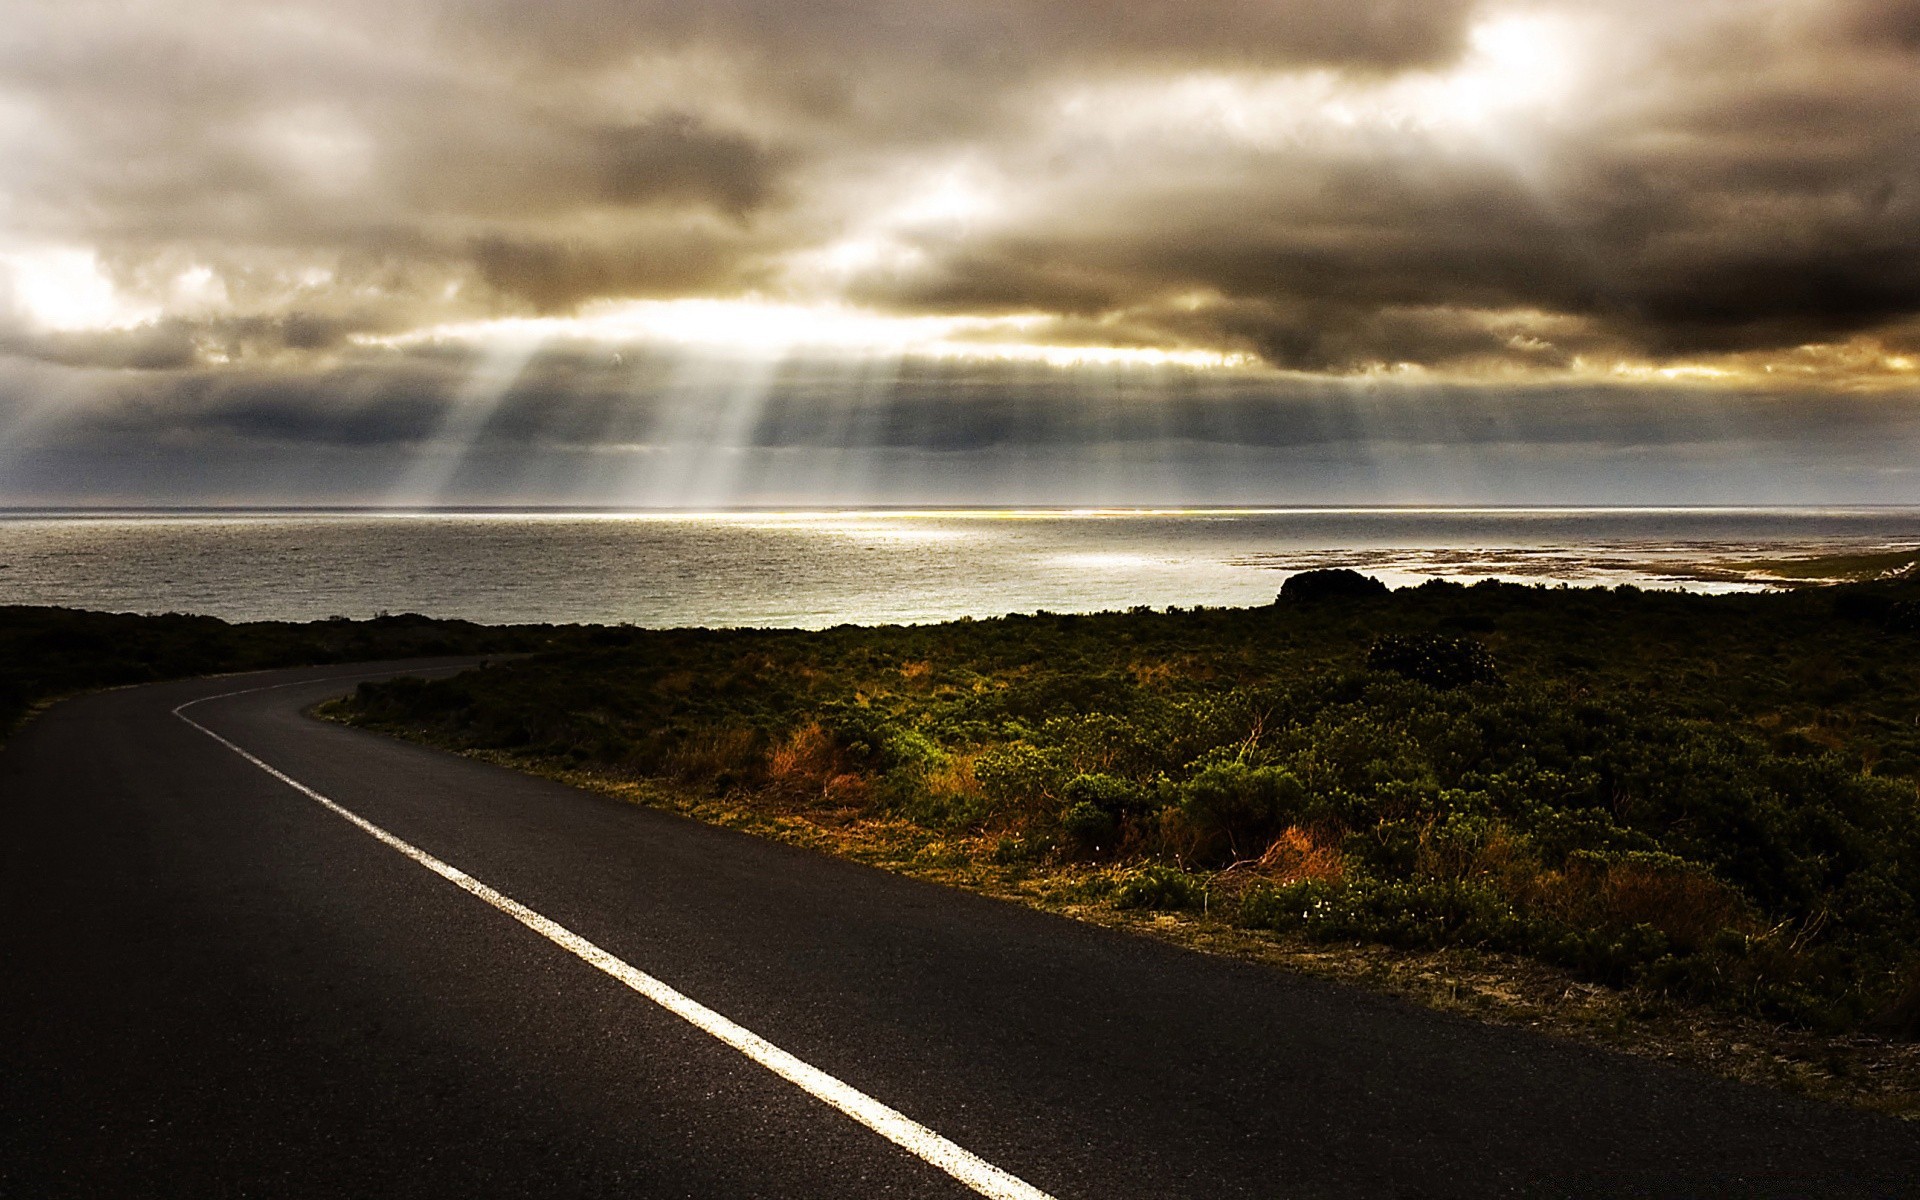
(820, 568)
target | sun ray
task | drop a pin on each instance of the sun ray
(500, 366)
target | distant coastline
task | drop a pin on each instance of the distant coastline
(813, 568)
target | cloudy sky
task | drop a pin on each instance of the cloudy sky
(1074, 251)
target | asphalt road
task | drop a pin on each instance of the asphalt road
(211, 985)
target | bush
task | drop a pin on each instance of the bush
(1161, 888)
(1606, 955)
(1098, 809)
(1438, 662)
(1713, 796)
(1088, 827)
(1904, 617)
(1109, 793)
(1335, 583)
(1231, 811)
(1413, 914)
(1859, 604)
(1016, 773)
(1009, 851)
(1301, 904)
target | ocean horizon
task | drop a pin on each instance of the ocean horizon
(810, 567)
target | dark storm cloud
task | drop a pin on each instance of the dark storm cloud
(155, 347)
(555, 275)
(583, 429)
(175, 343)
(573, 401)
(1333, 185)
(675, 155)
(1895, 23)
(996, 38)
(1736, 177)
(409, 133)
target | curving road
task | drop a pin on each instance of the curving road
(214, 983)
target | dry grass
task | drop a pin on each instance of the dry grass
(1686, 905)
(808, 756)
(954, 779)
(1299, 854)
(714, 753)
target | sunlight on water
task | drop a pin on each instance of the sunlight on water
(824, 567)
(863, 529)
(1106, 559)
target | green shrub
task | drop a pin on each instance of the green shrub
(1161, 888)
(1438, 662)
(1088, 827)
(1412, 914)
(1017, 773)
(1330, 584)
(1305, 904)
(1606, 955)
(1010, 850)
(1109, 793)
(1232, 811)
(1710, 796)
(1903, 617)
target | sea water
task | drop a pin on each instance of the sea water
(813, 569)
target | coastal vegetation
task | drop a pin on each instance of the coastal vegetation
(1680, 823)
(46, 653)
(1710, 799)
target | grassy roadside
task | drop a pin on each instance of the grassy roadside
(1681, 826)
(1877, 1073)
(1732, 884)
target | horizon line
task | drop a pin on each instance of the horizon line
(823, 511)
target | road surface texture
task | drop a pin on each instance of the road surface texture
(214, 985)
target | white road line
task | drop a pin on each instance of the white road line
(965, 1166)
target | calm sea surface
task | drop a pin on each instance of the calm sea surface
(817, 569)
